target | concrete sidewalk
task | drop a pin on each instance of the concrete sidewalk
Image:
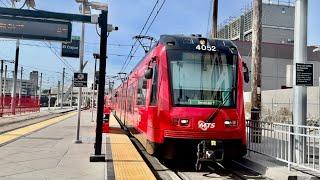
(51, 154)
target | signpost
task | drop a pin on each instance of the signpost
(71, 49)
(35, 29)
(80, 80)
(304, 74)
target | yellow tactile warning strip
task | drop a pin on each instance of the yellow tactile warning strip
(11, 135)
(127, 162)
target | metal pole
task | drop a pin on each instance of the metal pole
(49, 100)
(300, 92)
(1, 94)
(103, 22)
(58, 94)
(20, 89)
(71, 93)
(93, 88)
(256, 68)
(319, 101)
(40, 88)
(62, 87)
(81, 70)
(215, 19)
(15, 72)
(1, 79)
(5, 83)
(16, 63)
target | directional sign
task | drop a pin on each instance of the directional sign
(304, 74)
(71, 49)
(80, 80)
(36, 29)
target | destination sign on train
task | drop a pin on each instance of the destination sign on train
(35, 29)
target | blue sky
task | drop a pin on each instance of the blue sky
(176, 17)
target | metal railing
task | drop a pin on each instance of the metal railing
(298, 146)
(25, 104)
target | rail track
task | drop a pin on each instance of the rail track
(184, 169)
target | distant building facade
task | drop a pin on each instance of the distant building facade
(277, 24)
(27, 87)
(34, 78)
(277, 60)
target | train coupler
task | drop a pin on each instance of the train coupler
(209, 151)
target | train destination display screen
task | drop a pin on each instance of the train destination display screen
(36, 29)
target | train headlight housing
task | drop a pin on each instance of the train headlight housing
(184, 122)
(231, 123)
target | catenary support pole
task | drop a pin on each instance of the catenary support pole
(103, 22)
(58, 94)
(5, 83)
(1, 94)
(20, 89)
(49, 101)
(62, 88)
(15, 73)
(256, 69)
(40, 86)
(215, 19)
(1, 77)
(81, 70)
(71, 99)
(300, 92)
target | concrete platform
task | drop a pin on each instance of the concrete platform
(123, 159)
(50, 153)
(273, 169)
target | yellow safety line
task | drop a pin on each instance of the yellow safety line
(127, 162)
(11, 135)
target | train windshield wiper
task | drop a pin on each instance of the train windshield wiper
(215, 113)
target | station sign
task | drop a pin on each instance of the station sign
(35, 29)
(304, 74)
(80, 80)
(71, 49)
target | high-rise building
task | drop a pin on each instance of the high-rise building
(277, 24)
(34, 78)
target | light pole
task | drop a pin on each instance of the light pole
(103, 23)
(85, 9)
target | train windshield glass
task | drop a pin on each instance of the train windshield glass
(203, 78)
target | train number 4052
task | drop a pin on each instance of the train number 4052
(206, 48)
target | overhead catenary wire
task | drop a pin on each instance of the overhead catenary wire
(60, 58)
(3, 3)
(150, 25)
(135, 42)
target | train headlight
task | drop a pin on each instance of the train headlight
(231, 123)
(184, 122)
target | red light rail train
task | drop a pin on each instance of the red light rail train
(186, 94)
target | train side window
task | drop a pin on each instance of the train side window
(141, 92)
(154, 89)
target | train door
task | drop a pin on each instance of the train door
(153, 100)
(141, 119)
